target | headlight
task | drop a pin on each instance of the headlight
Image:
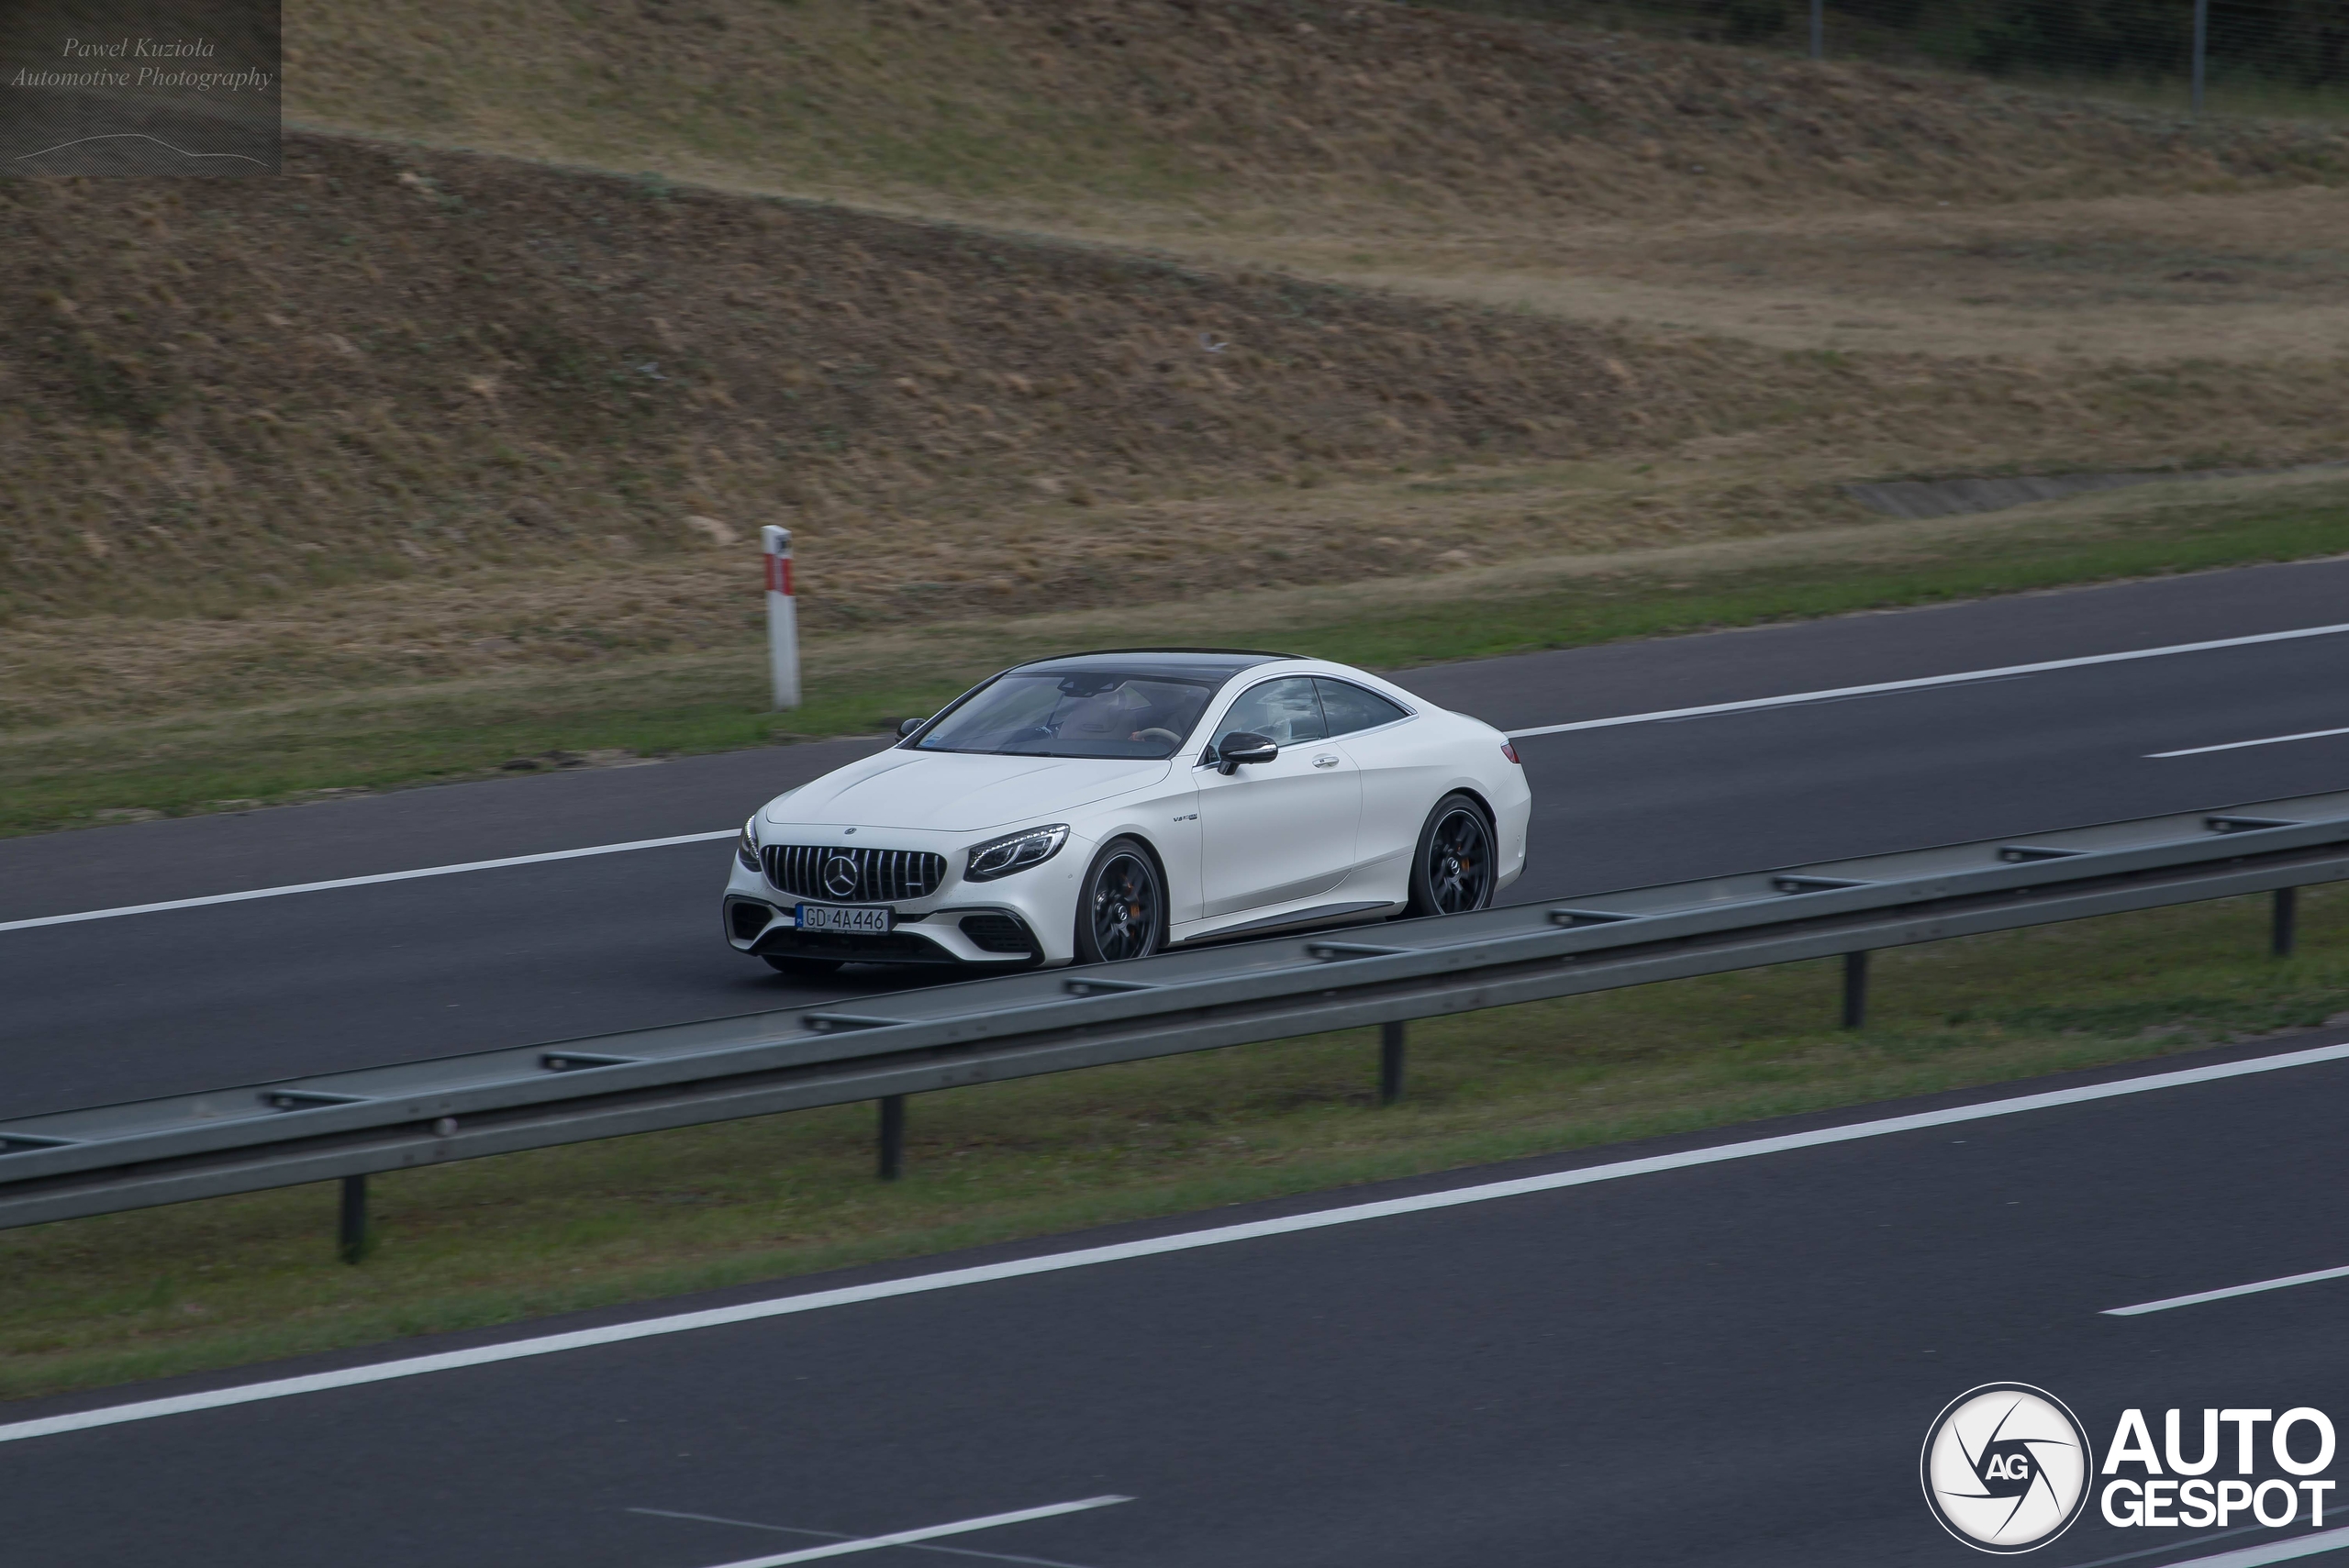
(1015, 852)
(746, 848)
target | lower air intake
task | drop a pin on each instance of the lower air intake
(998, 933)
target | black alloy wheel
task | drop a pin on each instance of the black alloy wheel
(1456, 868)
(1121, 912)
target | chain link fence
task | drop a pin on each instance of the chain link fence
(2277, 57)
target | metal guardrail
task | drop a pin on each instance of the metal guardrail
(351, 1125)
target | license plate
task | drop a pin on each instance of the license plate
(872, 918)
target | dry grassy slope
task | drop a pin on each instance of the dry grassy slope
(1241, 114)
(400, 362)
(395, 361)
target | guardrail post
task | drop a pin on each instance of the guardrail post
(1390, 1063)
(2283, 930)
(351, 1237)
(892, 1136)
(1855, 990)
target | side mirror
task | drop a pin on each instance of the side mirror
(907, 726)
(1239, 747)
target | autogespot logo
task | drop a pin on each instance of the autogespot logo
(2005, 1467)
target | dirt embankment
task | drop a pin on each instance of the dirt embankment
(400, 362)
(394, 363)
(397, 362)
(1241, 114)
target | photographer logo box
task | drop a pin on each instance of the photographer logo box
(2007, 1468)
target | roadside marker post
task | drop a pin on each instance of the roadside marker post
(783, 617)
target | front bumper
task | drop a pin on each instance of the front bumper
(1027, 917)
(994, 937)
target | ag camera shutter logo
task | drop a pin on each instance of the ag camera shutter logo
(2005, 1467)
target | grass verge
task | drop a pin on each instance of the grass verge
(207, 758)
(240, 1280)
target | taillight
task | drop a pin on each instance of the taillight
(1510, 752)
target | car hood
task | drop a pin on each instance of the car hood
(957, 792)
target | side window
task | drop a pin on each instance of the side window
(1283, 712)
(1349, 709)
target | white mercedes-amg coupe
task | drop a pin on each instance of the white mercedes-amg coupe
(1108, 805)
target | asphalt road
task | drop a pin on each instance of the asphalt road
(1729, 1364)
(175, 1002)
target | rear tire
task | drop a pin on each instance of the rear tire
(1455, 867)
(801, 968)
(1120, 905)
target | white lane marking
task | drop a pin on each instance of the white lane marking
(1183, 1242)
(2239, 745)
(928, 1532)
(365, 880)
(2273, 1551)
(1921, 682)
(2200, 1296)
(2182, 1546)
(915, 1546)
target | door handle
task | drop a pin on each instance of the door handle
(1325, 761)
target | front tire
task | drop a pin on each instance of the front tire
(1455, 868)
(1120, 905)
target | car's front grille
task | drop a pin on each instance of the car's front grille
(868, 876)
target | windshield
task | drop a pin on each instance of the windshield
(1074, 713)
